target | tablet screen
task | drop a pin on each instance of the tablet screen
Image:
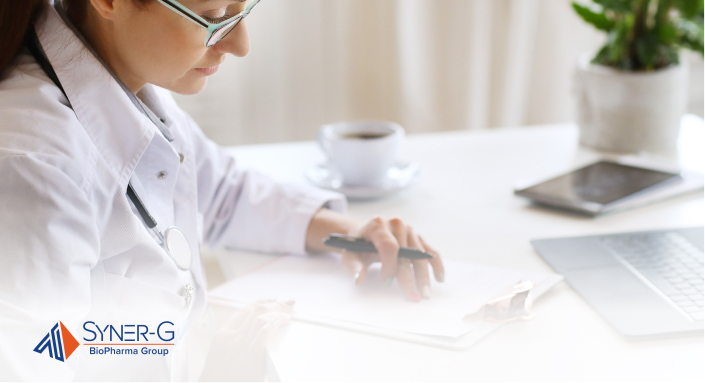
(603, 182)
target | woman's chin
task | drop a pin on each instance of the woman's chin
(192, 86)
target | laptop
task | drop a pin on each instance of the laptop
(645, 284)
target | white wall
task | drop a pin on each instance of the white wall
(431, 65)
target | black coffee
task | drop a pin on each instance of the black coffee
(364, 135)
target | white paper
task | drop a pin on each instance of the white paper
(322, 287)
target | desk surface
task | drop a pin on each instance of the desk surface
(465, 196)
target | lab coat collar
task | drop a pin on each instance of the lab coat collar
(120, 132)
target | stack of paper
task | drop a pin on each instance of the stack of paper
(325, 293)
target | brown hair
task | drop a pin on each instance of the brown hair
(17, 16)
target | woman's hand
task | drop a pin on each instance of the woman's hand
(388, 235)
(237, 352)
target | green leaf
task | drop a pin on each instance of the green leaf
(667, 55)
(689, 8)
(667, 34)
(603, 56)
(620, 6)
(690, 34)
(690, 28)
(639, 38)
(693, 45)
(598, 20)
(619, 50)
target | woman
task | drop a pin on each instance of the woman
(98, 165)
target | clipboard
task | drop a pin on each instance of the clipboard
(460, 343)
(545, 281)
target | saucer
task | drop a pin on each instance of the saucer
(400, 176)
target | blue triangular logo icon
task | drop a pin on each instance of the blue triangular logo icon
(52, 342)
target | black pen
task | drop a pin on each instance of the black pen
(360, 245)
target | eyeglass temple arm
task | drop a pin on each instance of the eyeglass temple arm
(250, 7)
(186, 12)
(198, 19)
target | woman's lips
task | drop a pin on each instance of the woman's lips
(208, 71)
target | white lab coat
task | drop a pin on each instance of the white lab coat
(72, 246)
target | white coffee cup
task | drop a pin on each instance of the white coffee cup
(362, 151)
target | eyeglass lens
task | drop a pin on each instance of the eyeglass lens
(222, 32)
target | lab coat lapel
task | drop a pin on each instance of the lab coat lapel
(118, 130)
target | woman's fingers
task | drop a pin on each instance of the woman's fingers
(388, 236)
(382, 237)
(405, 277)
(356, 266)
(435, 262)
(423, 281)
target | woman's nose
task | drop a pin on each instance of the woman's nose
(237, 42)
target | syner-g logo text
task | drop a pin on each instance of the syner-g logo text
(59, 343)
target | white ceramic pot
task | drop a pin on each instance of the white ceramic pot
(630, 112)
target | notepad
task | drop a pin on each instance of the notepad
(324, 290)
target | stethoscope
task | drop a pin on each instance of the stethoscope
(172, 240)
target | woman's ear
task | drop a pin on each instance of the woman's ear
(108, 8)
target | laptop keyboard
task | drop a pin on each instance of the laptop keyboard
(669, 261)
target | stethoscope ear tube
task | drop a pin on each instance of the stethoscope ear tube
(148, 219)
(144, 213)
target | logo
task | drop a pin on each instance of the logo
(59, 341)
(121, 339)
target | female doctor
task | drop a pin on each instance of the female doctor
(108, 189)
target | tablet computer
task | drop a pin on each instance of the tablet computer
(598, 187)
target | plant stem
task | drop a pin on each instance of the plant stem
(662, 13)
(640, 14)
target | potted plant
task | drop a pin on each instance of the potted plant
(632, 94)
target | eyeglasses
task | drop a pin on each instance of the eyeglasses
(216, 32)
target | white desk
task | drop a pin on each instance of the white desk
(464, 206)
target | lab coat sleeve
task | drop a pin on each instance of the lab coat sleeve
(48, 245)
(246, 209)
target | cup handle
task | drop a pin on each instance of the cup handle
(323, 144)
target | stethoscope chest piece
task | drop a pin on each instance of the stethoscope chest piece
(178, 248)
